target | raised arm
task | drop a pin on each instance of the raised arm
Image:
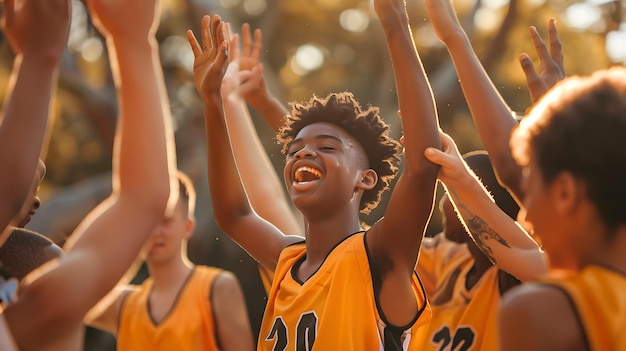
(497, 235)
(550, 63)
(257, 173)
(394, 241)
(105, 244)
(37, 31)
(492, 115)
(232, 209)
(256, 91)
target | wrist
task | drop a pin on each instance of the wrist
(48, 60)
(455, 38)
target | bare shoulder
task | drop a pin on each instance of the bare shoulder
(225, 280)
(226, 286)
(541, 317)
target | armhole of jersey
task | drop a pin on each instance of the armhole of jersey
(120, 312)
(511, 281)
(392, 330)
(578, 318)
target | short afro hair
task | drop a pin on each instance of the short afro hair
(24, 251)
(579, 127)
(366, 126)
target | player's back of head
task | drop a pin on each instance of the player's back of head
(25, 250)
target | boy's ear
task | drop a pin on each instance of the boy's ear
(369, 178)
(189, 227)
(567, 192)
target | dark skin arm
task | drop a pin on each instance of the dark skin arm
(37, 32)
(492, 115)
(119, 226)
(233, 211)
(395, 240)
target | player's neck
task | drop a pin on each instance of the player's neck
(324, 235)
(612, 252)
(170, 273)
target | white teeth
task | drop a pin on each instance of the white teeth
(300, 174)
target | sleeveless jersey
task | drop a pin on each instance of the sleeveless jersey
(189, 325)
(462, 319)
(599, 296)
(335, 309)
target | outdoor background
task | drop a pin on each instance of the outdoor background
(309, 47)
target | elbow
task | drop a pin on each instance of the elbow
(227, 217)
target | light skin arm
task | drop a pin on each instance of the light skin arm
(54, 304)
(492, 115)
(231, 317)
(108, 317)
(37, 32)
(394, 241)
(105, 314)
(497, 235)
(232, 209)
(257, 173)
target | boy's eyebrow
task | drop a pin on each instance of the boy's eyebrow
(318, 137)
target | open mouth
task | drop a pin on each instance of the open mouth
(307, 174)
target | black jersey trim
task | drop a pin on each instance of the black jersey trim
(296, 265)
(174, 304)
(392, 330)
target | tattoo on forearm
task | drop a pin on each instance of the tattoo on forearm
(482, 232)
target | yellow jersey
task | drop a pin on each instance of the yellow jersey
(599, 297)
(462, 319)
(188, 326)
(335, 309)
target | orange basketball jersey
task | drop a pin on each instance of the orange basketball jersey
(462, 319)
(188, 326)
(599, 296)
(335, 309)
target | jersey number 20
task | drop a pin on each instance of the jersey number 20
(305, 333)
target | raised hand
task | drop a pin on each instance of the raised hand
(253, 86)
(550, 62)
(233, 75)
(125, 19)
(444, 19)
(37, 26)
(210, 59)
(452, 165)
(251, 54)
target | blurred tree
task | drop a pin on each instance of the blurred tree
(310, 47)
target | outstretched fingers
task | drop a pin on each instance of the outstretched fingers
(193, 42)
(257, 46)
(532, 77)
(556, 50)
(247, 39)
(205, 32)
